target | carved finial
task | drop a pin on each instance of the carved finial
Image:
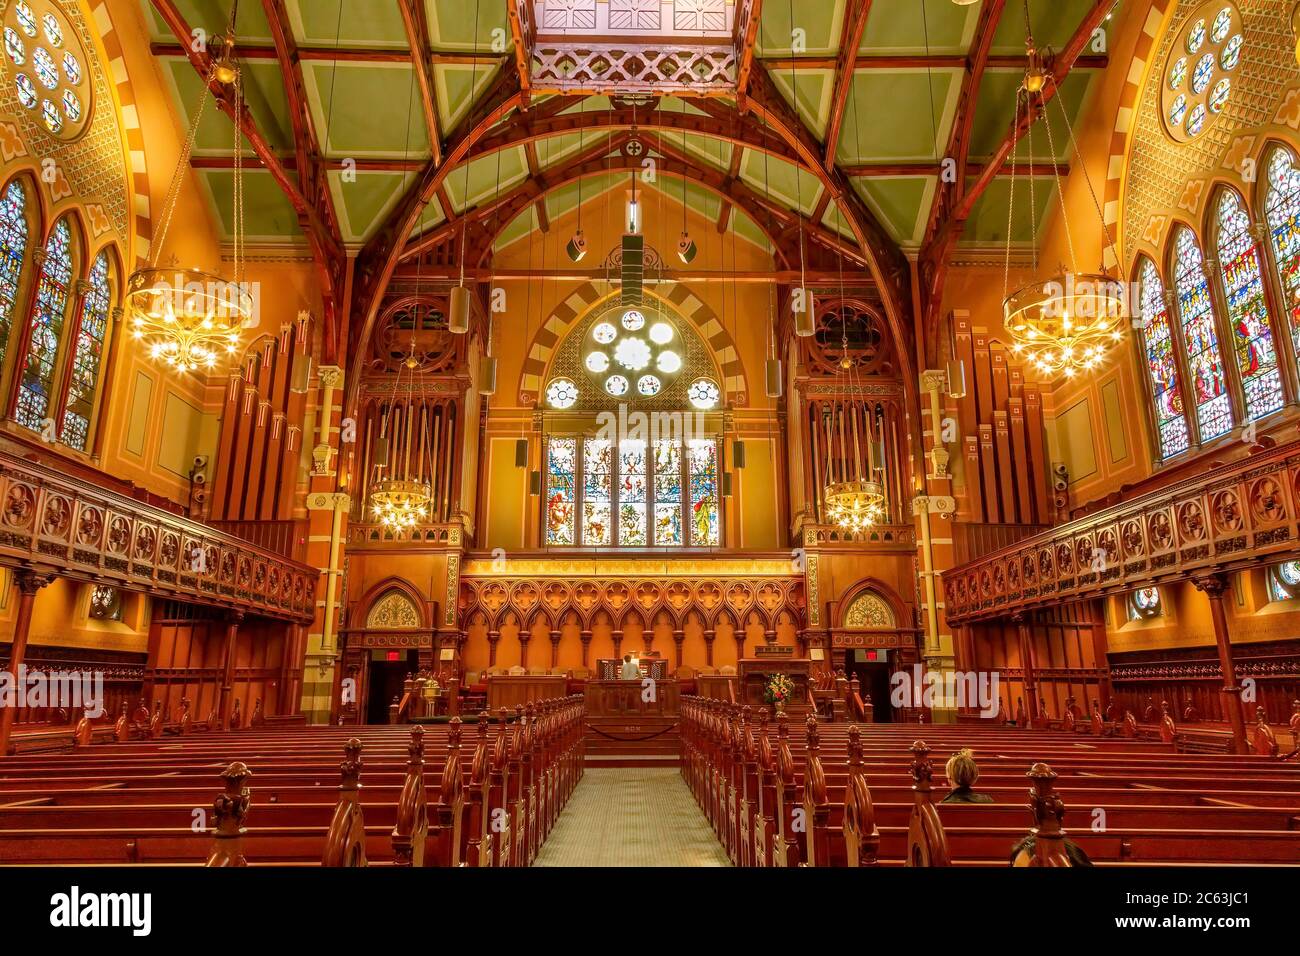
(782, 727)
(814, 741)
(351, 765)
(855, 745)
(453, 733)
(1048, 810)
(921, 769)
(415, 748)
(229, 810)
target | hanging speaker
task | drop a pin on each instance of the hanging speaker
(534, 482)
(487, 375)
(577, 247)
(957, 379)
(726, 484)
(686, 248)
(521, 453)
(738, 454)
(801, 306)
(775, 379)
(300, 380)
(458, 320)
(379, 455)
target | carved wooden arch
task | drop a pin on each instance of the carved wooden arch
(897, 606)
(378, 591)
(587, 298)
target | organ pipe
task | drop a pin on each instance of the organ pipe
(411, 437)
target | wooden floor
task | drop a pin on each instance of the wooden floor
(632, 817)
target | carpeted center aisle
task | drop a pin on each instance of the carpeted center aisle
(632, 817)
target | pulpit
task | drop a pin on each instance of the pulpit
(755, 672)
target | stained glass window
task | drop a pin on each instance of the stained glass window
(88, 356)
(632, 493)
(703, 455)
(1243, 287)
(1282, 210)
(647, 494)
(1162, 363)
(46, 71)
(13, 247)
(561, 457)
(46, 329)
(1196, 312)
(668, 492)
(597, 492)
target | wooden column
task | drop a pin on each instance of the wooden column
(28, 583)
(228, 667)
(1027, 664)
(1214, 586)
(295, 646)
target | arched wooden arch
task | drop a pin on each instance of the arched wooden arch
(587, 297)
(900, 610)
(380, 590)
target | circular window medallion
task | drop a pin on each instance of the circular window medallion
(1195, 88)
(631, 352)
(39, 39)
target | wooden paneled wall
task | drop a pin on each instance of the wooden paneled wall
(851, 438)
(1192, 676)
(187, 655)
(255, 470)
(1004, 447)
(1067, 650)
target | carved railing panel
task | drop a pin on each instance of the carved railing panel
(79, 530)
(1223, 520)
(629, 67)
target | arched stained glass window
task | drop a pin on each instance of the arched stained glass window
(34, 404)
(88, 356)
(1282, 210)
(1162, 362)
(1209, 382)
(13, 247)
(1243, 288)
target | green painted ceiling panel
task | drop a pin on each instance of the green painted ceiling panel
(452, 24)
(363, 202)
(715, 152)
(887, 117)
(997, 107)
(368, 109)
(355, 23)
(813, 90)
(453, 86)
(903, 28)
(819, 23)
(488, 176)
(216, 134)
(1053, 22)
(778, 178)
(988, 219)
(211, 16)
(901, 203)
(267, 212)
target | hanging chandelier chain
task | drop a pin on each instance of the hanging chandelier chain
(1060, 186)
(1096, 203)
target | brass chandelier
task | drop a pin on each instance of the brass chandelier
(1066, 322)
(188, 318)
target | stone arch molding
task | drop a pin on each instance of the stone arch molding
(589, 295)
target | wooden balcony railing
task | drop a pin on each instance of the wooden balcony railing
(1229, 518)
(70, 526)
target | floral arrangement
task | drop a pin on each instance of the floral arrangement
(779, 689)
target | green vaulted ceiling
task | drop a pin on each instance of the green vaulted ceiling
(898, 117)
